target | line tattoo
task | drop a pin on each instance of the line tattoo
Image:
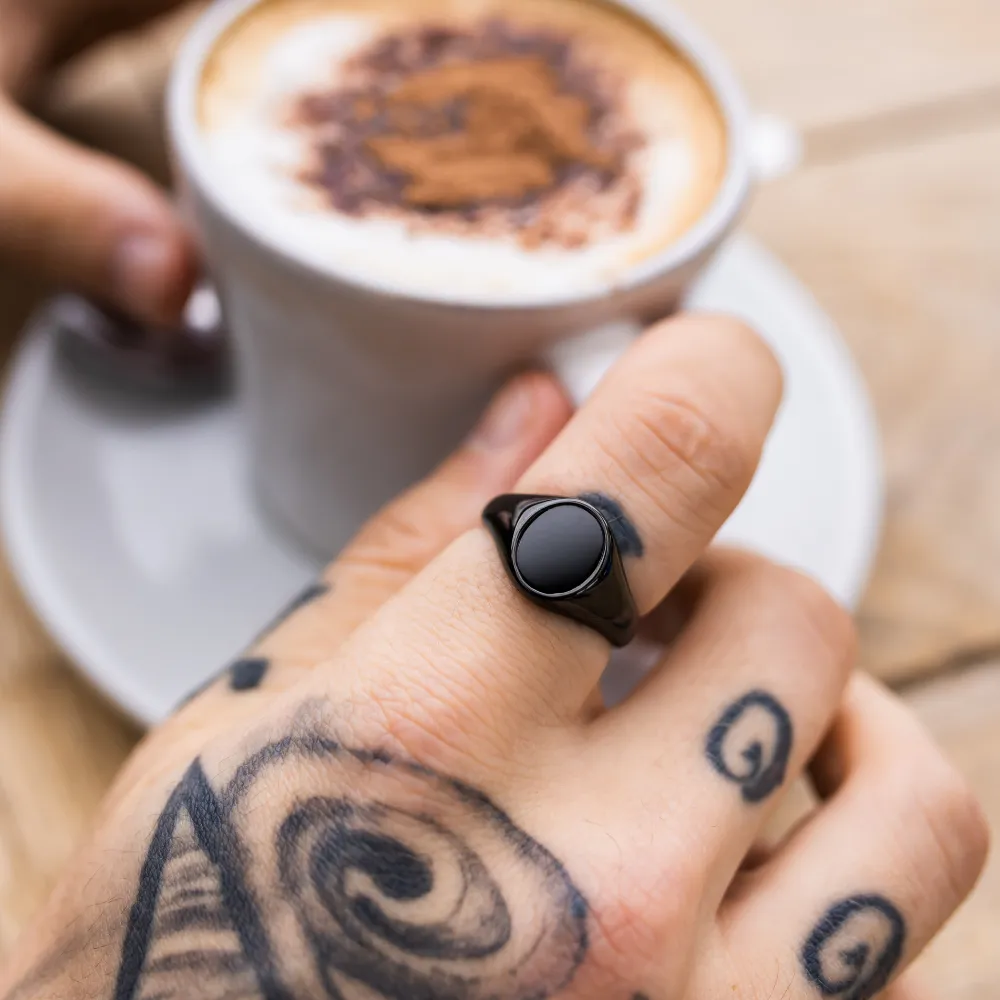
(308, 596)
(625, 533)
(751, 743)
(325, 871)
(855, 948)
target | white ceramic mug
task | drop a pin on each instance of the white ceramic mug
(353, 390)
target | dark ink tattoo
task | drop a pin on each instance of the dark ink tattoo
(855, 948)
(312, 593)
(380, 878)
(625, 532)
(247, 674)
(751, 743)
(193, 886)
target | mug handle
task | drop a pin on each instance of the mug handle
(776, 147)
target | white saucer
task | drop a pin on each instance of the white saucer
(129, 523)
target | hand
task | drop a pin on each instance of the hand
(408, 791)
(81, 218)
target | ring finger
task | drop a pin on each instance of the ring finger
(724, 724)
(864, 885)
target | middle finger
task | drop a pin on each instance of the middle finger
(719, 730)
(670, 439)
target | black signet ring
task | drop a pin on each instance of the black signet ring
(561, 554)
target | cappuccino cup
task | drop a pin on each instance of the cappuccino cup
(404, 201)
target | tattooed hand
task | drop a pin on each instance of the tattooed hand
(393, 880)
(407, 789)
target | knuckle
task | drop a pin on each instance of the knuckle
(954, 819)
(435, 725)
(673, 440)
(393, 541)
(435, 688)
(689, 437)
(795, 595)
(640, 916)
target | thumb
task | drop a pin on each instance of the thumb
(89, 222)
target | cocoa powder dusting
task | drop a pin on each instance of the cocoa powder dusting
(492, 129)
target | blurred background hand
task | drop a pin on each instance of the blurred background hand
(80, 218)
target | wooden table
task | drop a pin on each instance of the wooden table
(893, 221)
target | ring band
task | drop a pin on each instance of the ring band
(561, 554)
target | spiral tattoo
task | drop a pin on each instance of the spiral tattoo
(751, 743)
(395, 882)
(855, 948)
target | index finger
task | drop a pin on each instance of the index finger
(398, 542)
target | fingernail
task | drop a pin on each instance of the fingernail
(507, 418)
(141, 274)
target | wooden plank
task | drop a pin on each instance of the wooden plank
(899, 246)
(821, 63)
(60, 746)
(901, 65)
(962, 711)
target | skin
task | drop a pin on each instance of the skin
(420, 796)
(75, 216)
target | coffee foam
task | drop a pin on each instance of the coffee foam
(284, 49)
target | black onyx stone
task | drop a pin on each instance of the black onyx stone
(560, 549)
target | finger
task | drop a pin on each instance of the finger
(860, 889)
(68, 26)
(909, 986)
(722, 728)
(411, 531)
(87, 221)
(671, 437)
(399, 541)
